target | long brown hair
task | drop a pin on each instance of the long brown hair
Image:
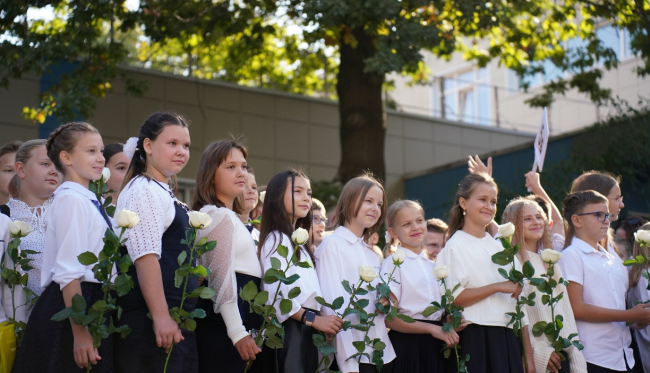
(23, 155)
(352, 196)
(601, 182)
(465, 189)
(574, 203)
(513, 213)
(151, 129)
(635, 271)
(205, 192)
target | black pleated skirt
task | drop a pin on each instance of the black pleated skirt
(138, 352)
(420, 353)
(492, 349)
(216, 352)
(299, 354)
(47, 345)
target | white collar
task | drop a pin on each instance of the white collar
(76, 187)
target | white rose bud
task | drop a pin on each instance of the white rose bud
(262, 195)
(300, 236)
(367, 273)
(199, 220)
(398, 256)
(126, 218)
(642, 237)
(106, 174)
(20, 228)
(506, 230)
(551, 256)
(441, 272)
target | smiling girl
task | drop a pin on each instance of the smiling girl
(418, 345)
(154, 246)
(532, 233)
(32, 187)
(483, 293)
(359, 212)
(223, 335)
(75, 225)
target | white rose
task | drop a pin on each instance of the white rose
(20, 228)
(642, 237)
(262, 195)
(399, 256)
(367, 273)
(126, 218)
(440, 272)
(506, 230)
(551, 256)
(199, 220)
(106, 174)
(300, 236)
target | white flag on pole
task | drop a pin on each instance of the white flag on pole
(541, 141)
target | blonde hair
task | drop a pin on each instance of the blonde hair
(391, 214)
(513, 213)
(65, 139)
(635, 271)
(352, 196)
(23, 156)
(465, 189)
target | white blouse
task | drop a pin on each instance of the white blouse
(235, 252)
(607, 344)
(155, 207)
(640, 293)
(308, 281)
(470, 264)
(6, 309)
(37, 218)
(542, 349)
(75, 226)
(339, 257)
(416, 287)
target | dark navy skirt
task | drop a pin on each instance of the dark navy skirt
(47, 345)
(420, 353)
(492, 349)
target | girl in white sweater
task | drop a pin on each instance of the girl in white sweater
(532, 233)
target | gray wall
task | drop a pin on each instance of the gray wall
(281, 129)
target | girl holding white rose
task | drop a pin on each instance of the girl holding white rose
(418, 345)
(483, 292)
(31, 188)
(344, 255)
(160, 151)
(287, 209)
(532, 231)
(224, 342)
(76, 224)
(639, 293)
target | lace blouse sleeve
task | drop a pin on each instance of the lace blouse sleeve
(220, 261)
(146, 237)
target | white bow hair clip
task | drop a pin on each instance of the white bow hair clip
(130, 147)
(387, 237)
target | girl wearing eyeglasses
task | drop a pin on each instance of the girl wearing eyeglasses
(317, 231)
(595, 289)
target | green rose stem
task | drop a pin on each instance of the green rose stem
(338, 302)
(271, 327)
(552, 329)
(184, 273)
(507, 257)
(13, 278)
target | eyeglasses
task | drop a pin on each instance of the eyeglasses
(600, 216)
(320, 220)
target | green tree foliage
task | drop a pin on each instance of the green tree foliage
(242, 41)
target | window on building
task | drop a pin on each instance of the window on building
(466, 97)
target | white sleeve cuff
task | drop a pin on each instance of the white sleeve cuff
(233, 321)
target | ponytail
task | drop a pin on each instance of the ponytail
(64, 138)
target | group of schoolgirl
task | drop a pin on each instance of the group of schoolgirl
(72, 222)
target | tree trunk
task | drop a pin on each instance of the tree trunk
(363, 123)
